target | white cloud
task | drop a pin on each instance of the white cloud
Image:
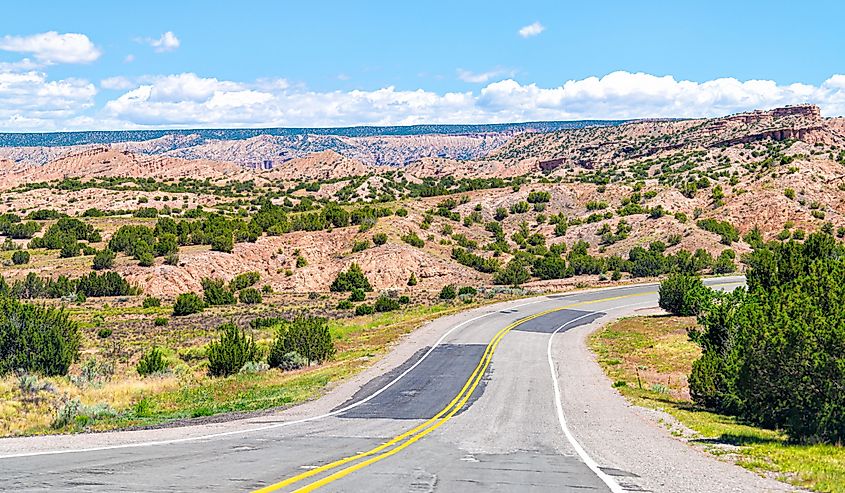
(52, 47)
(167, 42)
(30, 101)
(532, 29)
(482, 77)
(129, 58)
(186, 100)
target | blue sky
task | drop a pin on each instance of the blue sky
(221, 64)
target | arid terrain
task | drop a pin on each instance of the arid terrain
(769, 170)
(530, 212)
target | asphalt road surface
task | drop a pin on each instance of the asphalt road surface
(477, 411)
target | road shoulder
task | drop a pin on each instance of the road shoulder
(629, 442)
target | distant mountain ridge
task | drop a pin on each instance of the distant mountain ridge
(54, 139)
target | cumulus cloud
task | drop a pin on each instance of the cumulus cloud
(167, 42)
(186, 100)
(482, 77)
(189, 100)
(532, 29)
(52, 47)
(29, 101)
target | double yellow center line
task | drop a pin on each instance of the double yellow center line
(409, 437)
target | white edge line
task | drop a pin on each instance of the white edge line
(592, 464)
(275, 425)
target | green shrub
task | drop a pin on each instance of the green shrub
(477, 262)
(69, 249)
(364, 309)
(357, 294)
(250, 296)
(683, 295)
(128, 238)
(379, 239)
(344, 305)
(289, 361)
(105, 284)
(21, 231)
(307, 336)
(550, 266)
(145, 257)
(595, 205)
(44, 214)
(360, 246)
(151, 362)
(412, 281)
(300, 260)
(514, 274)
(773, 354)
(227, 355)
(104, 259)
(448, 292)
(72, 411)
(385, 304)
(104, 333)
(187, 304)
(36, 339)
(20, 257)
(265, 322)
(520, 207)
(160, 321)
(725, 262)
(223, 243)
(538, 197)
(413, 240)
(646, 263)
(726, 230)
(352, 278)
(467, 291)
(151, 302)
(244, 280)
(65, 232)
(404, 299)
(215, 292)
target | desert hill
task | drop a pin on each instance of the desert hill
(780, 171)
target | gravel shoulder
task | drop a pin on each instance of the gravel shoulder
(630, 442)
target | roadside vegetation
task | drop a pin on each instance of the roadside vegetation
(188, 371)
(755, 373)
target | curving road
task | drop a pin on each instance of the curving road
(474, 402)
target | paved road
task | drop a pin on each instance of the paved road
(477, 411)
